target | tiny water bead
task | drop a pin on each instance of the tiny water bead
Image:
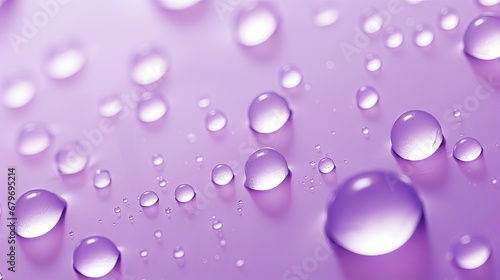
(222, 174)
(494, 180)
(216, 225)
(176, 5)
(65, 62)
(33, 138)
(38, 211)
(255, 24)
(372, 62)
(168, 211)
(366, 97)
(151, 108)
(481, 38)
(18, 92)
(325, 15)
(198, 159)
(118, 210)
(448, 19)
(457, 113)
(95, 256)
(326, 165)
(110, 106)
(268, 112)
(148, 198)
(290, 76)
(371, 21)
(157, 159)
(317, 147)
(144, 253)
(416, 135)
(149, 66)
(393, 37)
(467, 149)
(240, 263)
(215, 120)
(102, 178)
(158, 234)
(373, 213)
(204, 102)
(72, 158)
(184, 193)
(423, 36)
(471, 252)
(365, 130)
(265, 169)
(178, 252)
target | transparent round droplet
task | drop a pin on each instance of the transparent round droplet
(102, 178)
(290, 76)
(373, 213)
(198, 159)
(204, 102)
(326, 165)
(144, 253)
(256, 24)
(471, 252)
(18, 92)
(148, 198)
(176, 5)
(65, 62)
(95, 256)
(184, 193)
(366, 97)
(240, 263)
(215, 120)
(457, 113)
(265, 169)
(423, 35)
(325, 15)
(162, 182)
(268, 112)
(157, 159)
(118, 210)
(222, 174)
(365, 130)
(151, 108)
(448, 19)
(33, 138)
(416, 135)
(372, 62)
(178, 252)
(488, 3)
(72, 158)
(414, 2)
(371, 21)
(216, 225)
(467, 149)
(393, 37)
(110, 106)
(149, 66)
(37, 212)
(157, 234)
(482, 38)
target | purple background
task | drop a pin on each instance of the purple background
(279, 228)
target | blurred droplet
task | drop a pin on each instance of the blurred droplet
(184, 193)
(290, 76)
(393, 37)
(268, 112)
(33, 138)
(372, 62)
(18, 92)
(149, 66)
(448, 19)
(256, 24)
(423, 35)
(110, 106)
(65, 62)
(471, 252)
(151, 108)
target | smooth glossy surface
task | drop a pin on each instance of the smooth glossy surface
(265, 169)
(95, 256)
(268, 112)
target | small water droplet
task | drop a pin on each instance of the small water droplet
(215, 120)
(148, 198)
(448, 19)
(131, 218)
(72, 158)
(268, 112)
(95, 256)
(110, 106)
(467, 149)
(265, 169)
(240, 263)
(457, 113)
(184, 193)
(423, 35)
(481, 38)
(178, 252)
(162, 182)
(143, 253)
(158, 234)
(151, 107)
(372, 62)
(365, 130)
(168, 210)
(371, 21)
(216, 225)
(157, 159)
(393, 37)
(471, 252)
(494, 180)
(125, 200)
(118, 210)
(199, 159)
(326, 165)
(149, 66)
(71, 233)
(325, 15)
(366, 97)
(102, 178)
(256, 23)
(222, 242)
(222, 174)
(33, 138)
(18, 92)
(488, 3)
(65, 62)
(290, 76)
(312, 163)
(176, 5)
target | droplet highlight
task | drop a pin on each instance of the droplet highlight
(95, 256)
(151, 108)
(222, 174)
(290, 76)
(33, 138)
(256, 24)
(215, 120)
(18, 92)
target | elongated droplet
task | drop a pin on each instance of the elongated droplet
(38, 211)
(471, 252)
(151, 108)
(265, 169)
(268, 112)
(325, 15)
(95, 256)
(157, 159)
(72, 158)
(176, 5)
(371, 21)
(33, 138)
(366, 97)
(65, 62)
(482, 38)
(222, 174)
(18, 92)
(149, 66)
(290, 76)
(326, 165)
(184, 193)
(102, 178)
(373, 213)
(467, 149)
(256, 24)
(110, 106)
(215, 120)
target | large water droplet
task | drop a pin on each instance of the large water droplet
(482, 38)
(373, 213)
(467, 149)
(372, 62)
(222, 174)
(268, 112)
(95, 256)
(184, 193)
(149, 66)
(176, 5)
(366, 97)
(265, 169)
(102, 178)
(471, 252)
(215, 120)
(393, 37)
(151, 108)
(33, 138)
(326, 165)
(18, 93)
(110, 106)
(65, 62)
(448, 19)
(148, 198)
(290, 76)
(424, 36)
(416, 135)
(371, 21)
(325, 15)
(488, 3)
(256, 24)
(72, 158)
(38, 211)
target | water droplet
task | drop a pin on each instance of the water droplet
(110, 106)
(149, 66)
(18, 92)
(33, 138)
(222, 174)
(199, 159)
(65, 62)
(222, 242)
(326, 165)
(148, 198)
(216, 225)
(168, 210)
(102, 178)
(448, 19)
(471, 252)
(457, 113)
(204, 102)
(184, 193)
(131, 218)
(256, 24)
(157, 159)
(424, 35)
(268, 112)
(265, 169)
(191, 138)
(290, 76)
(151, 107)
(95, 256)
(467, 149)
(372, 62)
(371, 21)
(158, 234)
(317, 147)
(416, 135)
(488, 3)
(494, 180)
(37, 212)
(325, 15)
(312, 163)
(175, 5)
(118, 210)
(72, 158)
(481, 39)
(373, 213)
(1, 275)
(125, 200)
(143, 253)
(178, 252)
(366, 97)
(365, 130)
(215, 120)
(240, 263)
(162, 182)
(393, 37)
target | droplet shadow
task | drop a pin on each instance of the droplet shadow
(44, 249)
(274, 202)
(281, 140)
(475, 169)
